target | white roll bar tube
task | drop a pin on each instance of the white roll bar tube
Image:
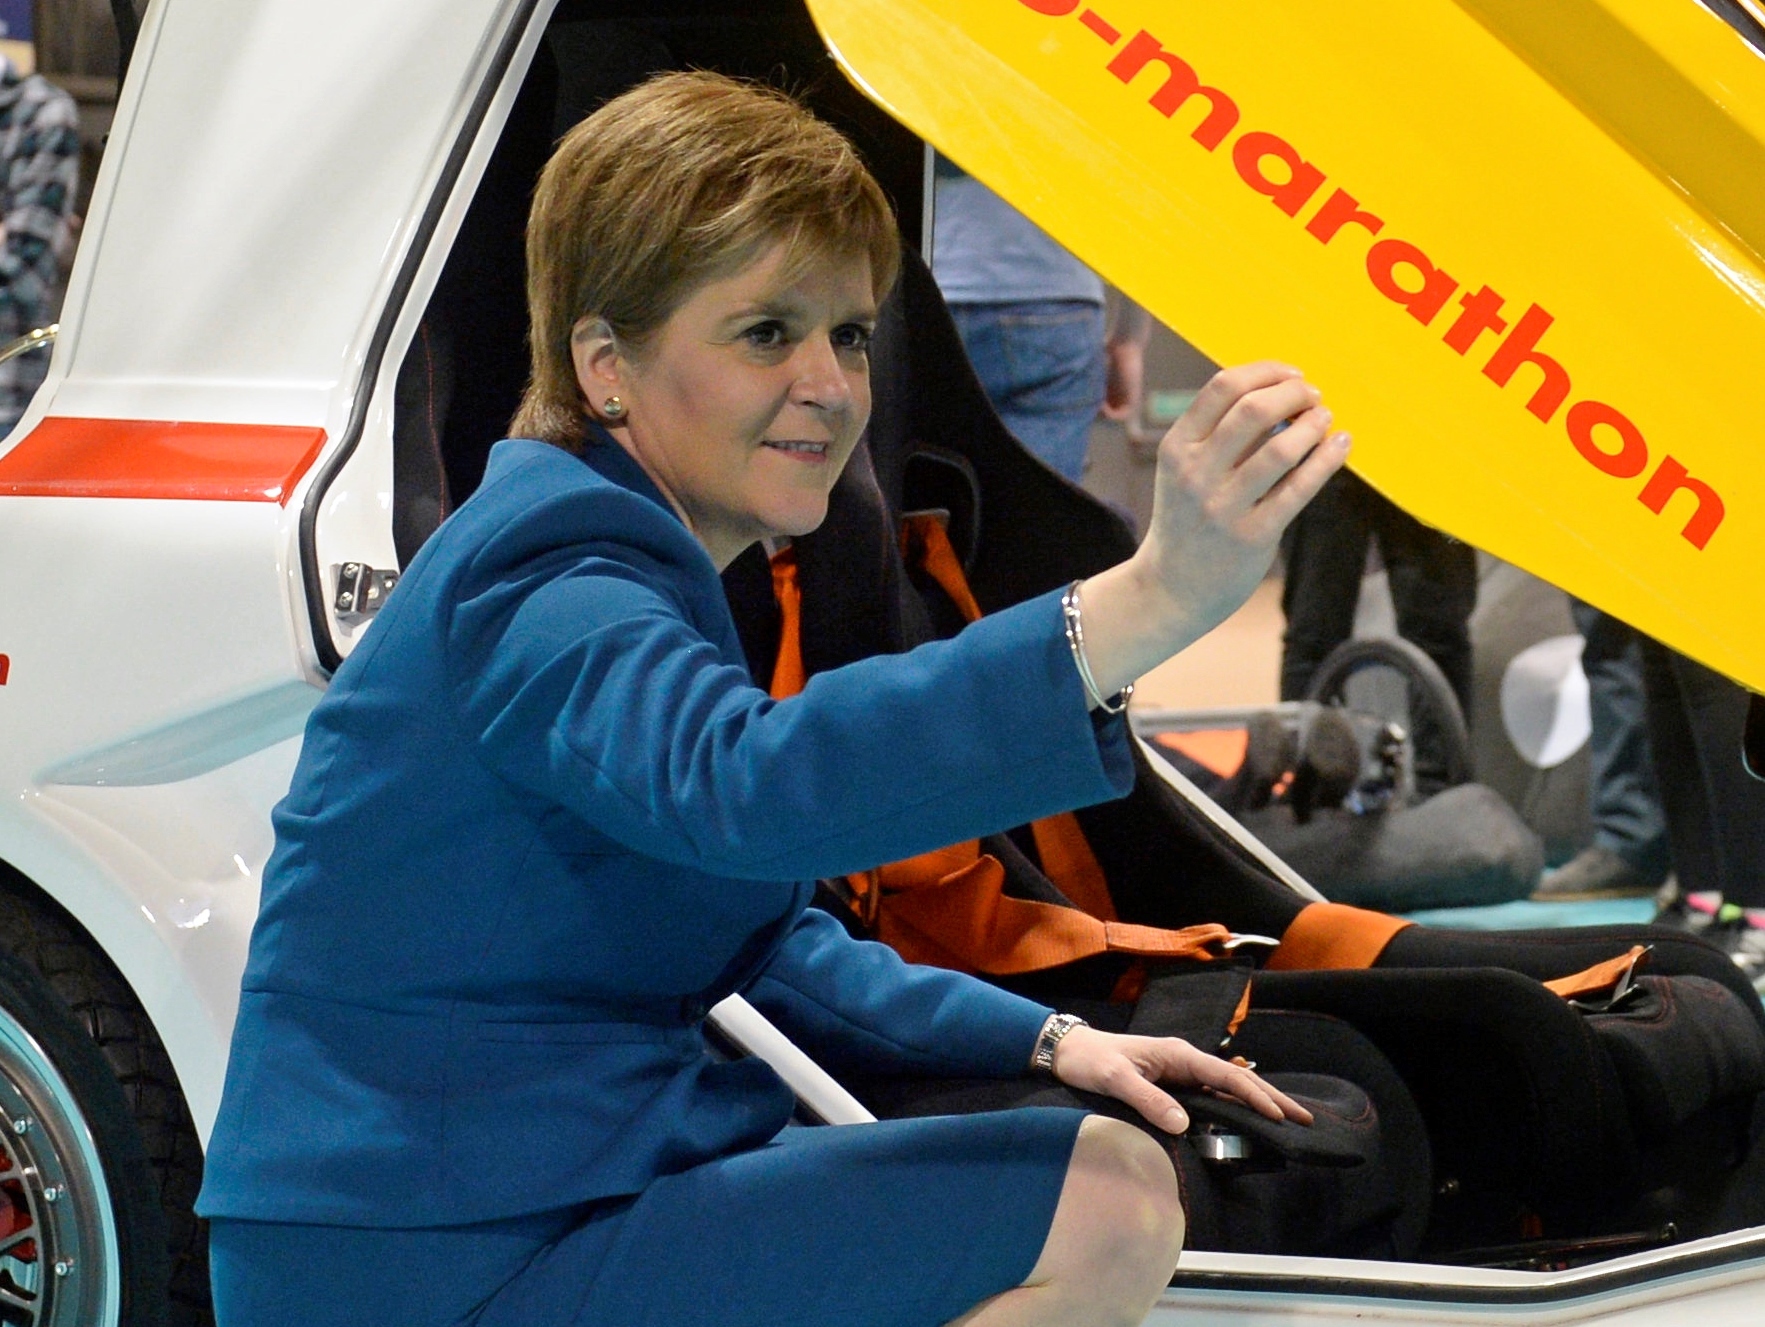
(753, 1033)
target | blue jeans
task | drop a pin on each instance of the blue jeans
(1043, 367)
(1628, 818)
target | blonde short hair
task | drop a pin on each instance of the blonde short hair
(683, 180)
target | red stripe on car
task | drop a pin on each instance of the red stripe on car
(140, 458)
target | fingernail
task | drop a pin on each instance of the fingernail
(1328, 416)
(1176, 1120)
(1344, 440)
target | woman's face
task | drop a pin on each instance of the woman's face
(747, 402)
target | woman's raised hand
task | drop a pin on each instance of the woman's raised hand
(1131, 1068)
(1230, 478)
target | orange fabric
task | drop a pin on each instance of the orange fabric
(787, 670)
(1241, 1013)
(1066, 856)
(1130, 986)
(1334, 935)
(965, 921)
(948, 908)
(1600, 977)
(911, 872)
(1221, 750)
(925, 544)
(1068, 861)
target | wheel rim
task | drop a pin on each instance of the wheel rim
(58, 1252)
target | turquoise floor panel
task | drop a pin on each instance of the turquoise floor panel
(1525, 915)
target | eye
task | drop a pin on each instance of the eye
(767, 335)
(853, 336)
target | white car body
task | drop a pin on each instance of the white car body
(275, 203)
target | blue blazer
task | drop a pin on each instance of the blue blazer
(543, 820)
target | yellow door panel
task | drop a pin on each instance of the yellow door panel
(1517, 242)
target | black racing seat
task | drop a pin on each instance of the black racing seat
(1546, 1122)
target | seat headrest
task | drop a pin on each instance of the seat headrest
(934, 442)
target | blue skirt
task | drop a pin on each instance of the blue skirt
(905, 1223)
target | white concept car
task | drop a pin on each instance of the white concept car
(201, 512)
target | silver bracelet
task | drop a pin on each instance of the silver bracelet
(1075, 637)
(1057, 1026)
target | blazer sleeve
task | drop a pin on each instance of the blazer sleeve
(583, 681)
(855, 1006)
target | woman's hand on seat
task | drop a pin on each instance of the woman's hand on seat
(1130, 1068)
(1252, 449)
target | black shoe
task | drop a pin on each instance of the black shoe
(1595, 873)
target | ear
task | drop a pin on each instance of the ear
(600, 367)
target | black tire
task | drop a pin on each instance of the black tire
(60, 989)
(1436, 722)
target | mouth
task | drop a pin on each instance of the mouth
(806, 451)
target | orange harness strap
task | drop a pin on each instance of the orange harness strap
(965, 921)
(1334, 935)
(787, 670)
(1600, 977)
(1066, 855)
(948, 908)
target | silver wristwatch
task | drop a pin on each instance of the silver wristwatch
(1057, 1026)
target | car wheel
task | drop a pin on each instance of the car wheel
(101, 1162)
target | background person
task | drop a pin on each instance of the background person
(1630, 852)
(543, 820)
(1433, 580)
(39, 174)
(1032, 318)
(1715, 809)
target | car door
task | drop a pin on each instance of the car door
(208, 449)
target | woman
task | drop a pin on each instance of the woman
(543, 820)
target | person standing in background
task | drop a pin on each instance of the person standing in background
(39, 173)
(1033, 320)
(1629, 853)
(1715, 810)
(1433, 580)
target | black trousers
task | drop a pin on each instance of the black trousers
(1715, 809)
(1433, 583)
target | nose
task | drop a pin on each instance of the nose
(821, 379)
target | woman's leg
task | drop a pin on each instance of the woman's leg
(906, 1223)
(1114, 1241)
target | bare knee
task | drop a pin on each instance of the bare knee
(1145, 1211)
(1119, 1226)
